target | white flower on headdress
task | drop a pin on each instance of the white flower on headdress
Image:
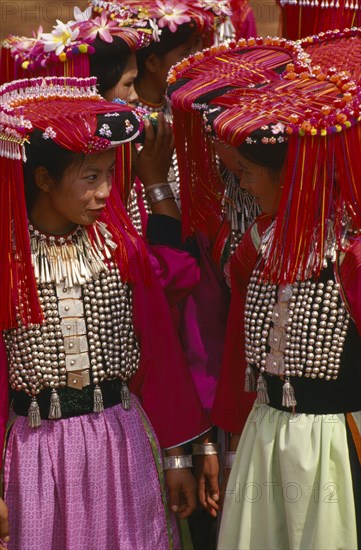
(156, 31)
(105, 130)
(278, 128)
(171, 14)
(82, 15)
(249, 140)
(49, 133)
(219, 7)
(61, 36)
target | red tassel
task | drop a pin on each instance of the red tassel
(17, 282)
(200, 183)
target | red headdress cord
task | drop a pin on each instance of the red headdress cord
(201, 195)
(17, 280)
(308, 204)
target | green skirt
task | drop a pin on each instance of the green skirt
(290, 486)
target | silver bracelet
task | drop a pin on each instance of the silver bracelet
(177, 462)
(205, 448)
(159, 192)
(228, 459)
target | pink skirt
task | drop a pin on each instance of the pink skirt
(92, 482)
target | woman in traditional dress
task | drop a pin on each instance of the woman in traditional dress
(91, 349)
(294, 326)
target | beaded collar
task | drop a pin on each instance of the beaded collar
(330, 246)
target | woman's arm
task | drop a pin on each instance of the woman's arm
(206, 469)
(163, 381)
(153, 163)
(181, 483)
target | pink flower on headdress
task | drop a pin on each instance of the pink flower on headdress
(61, 36)
(171, 14)
(102, 26)
(27, 46)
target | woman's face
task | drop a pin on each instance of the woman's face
(261, 182)
(79, 197)
(124, 89)
(166, 61)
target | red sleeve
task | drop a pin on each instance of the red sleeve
(4, 395)
(232, 404)
(163, 381)
(350, 278)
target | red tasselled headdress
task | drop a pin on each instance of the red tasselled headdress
(69, 112)
(66, 51)
(317, 112)
(192, 85)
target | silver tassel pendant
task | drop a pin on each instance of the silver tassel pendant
(55, 408)
(262, 395)
(250, 381)
(125, 397)
(288, 395)
(98, 400)
(34, 414)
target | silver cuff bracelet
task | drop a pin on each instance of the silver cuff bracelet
(205, 448)
(157, 193)
(177, 462)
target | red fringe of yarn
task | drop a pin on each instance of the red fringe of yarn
(301, 21)
(201, 185)
(17, 282)
(308, 203)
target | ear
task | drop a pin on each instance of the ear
(43, 180)
(152, 63)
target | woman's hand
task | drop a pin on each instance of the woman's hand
(153, 162)
(206, 469)
(4, 524)
(182, 491)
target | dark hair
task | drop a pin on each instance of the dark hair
(270, 156)
(168, 41)
(48, 155)
(108, 62)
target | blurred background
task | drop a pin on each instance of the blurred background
(21, 17)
